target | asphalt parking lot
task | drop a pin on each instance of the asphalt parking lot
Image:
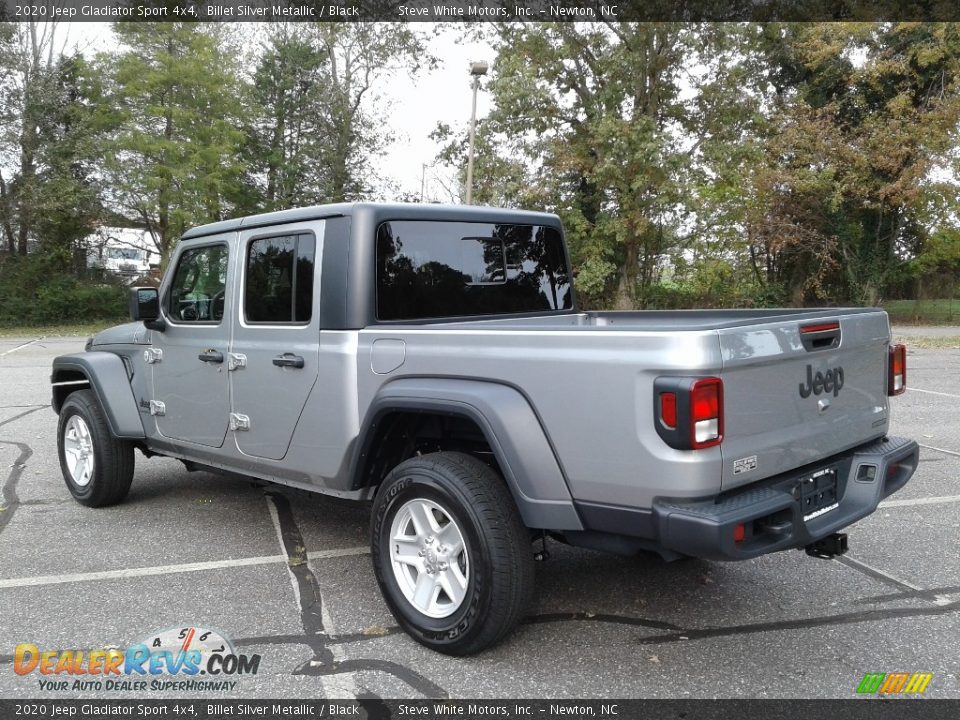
(286, 575)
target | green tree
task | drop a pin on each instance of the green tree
(7, 65)
(29, 56)
(775, 162)
(861, 117)
(49, 141)
(352, 123)
(285, 147)
(50, 200)
(68, 202)
(317, 125)
(175, 97)
(595, 115)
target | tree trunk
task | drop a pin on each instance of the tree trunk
(163, 197)
(870, 294)
(79, 261)
(276, 148)
(5, 217)
(796, 296)
(338, 161)
(626, 286)
(27, 178)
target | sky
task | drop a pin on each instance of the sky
(439, 95)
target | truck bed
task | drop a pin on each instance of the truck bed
(653, 320)
(589, 377)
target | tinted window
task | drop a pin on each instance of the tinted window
(445, 269)
(280, 279)
(199, 285)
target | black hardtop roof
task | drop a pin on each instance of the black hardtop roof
(379, 212)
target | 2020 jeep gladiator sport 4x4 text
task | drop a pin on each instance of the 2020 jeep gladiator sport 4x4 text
(431, 359)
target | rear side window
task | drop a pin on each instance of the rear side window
(447, 269)
(198, 289)
(279, 284)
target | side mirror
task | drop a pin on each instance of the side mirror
(145, 306)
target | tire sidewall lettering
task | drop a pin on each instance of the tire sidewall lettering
(426, 485)
(74, 409)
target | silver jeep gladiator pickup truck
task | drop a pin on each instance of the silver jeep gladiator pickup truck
(432, 360)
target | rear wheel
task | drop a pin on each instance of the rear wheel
(96, 466)
(450, 552)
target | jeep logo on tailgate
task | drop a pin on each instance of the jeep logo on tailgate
(831, 381)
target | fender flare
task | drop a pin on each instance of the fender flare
(511, 427)
(109, 381)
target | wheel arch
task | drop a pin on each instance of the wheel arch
(511, 429)
(106, 375)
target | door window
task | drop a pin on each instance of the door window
(279, 283)
(199, 286)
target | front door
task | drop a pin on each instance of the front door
(190, 379)
(276, 335)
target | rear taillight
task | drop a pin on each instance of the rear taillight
(897, 370)
(668, 410)
(706, 413)
(689, 411)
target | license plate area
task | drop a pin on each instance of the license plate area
(817, 493)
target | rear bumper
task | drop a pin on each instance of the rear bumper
(771, 512)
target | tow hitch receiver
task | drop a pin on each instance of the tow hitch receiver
(828, 547)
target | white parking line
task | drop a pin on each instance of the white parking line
(126, 573)
(942, 500)
(931, 447)
(870, 570)
(932, 392)
(22, 345)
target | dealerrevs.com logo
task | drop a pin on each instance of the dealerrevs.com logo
(180, 659)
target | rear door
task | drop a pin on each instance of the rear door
(190, 386)
(274, 356)
(799, 390)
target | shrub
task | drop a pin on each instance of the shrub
(35, 291)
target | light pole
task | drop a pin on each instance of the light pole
(476, 70)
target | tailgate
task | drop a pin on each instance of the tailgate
(792, 397)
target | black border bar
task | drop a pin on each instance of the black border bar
(480, 10)
(863, 708)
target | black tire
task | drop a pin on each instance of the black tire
(109, 481)
(500, 572)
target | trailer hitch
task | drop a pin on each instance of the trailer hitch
(828, 547)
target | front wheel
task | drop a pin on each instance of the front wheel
(96, 466)
(450, 553)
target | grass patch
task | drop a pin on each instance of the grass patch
(65, 330)
(929, 343)
(924, 312)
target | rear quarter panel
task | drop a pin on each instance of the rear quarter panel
(591, 389)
